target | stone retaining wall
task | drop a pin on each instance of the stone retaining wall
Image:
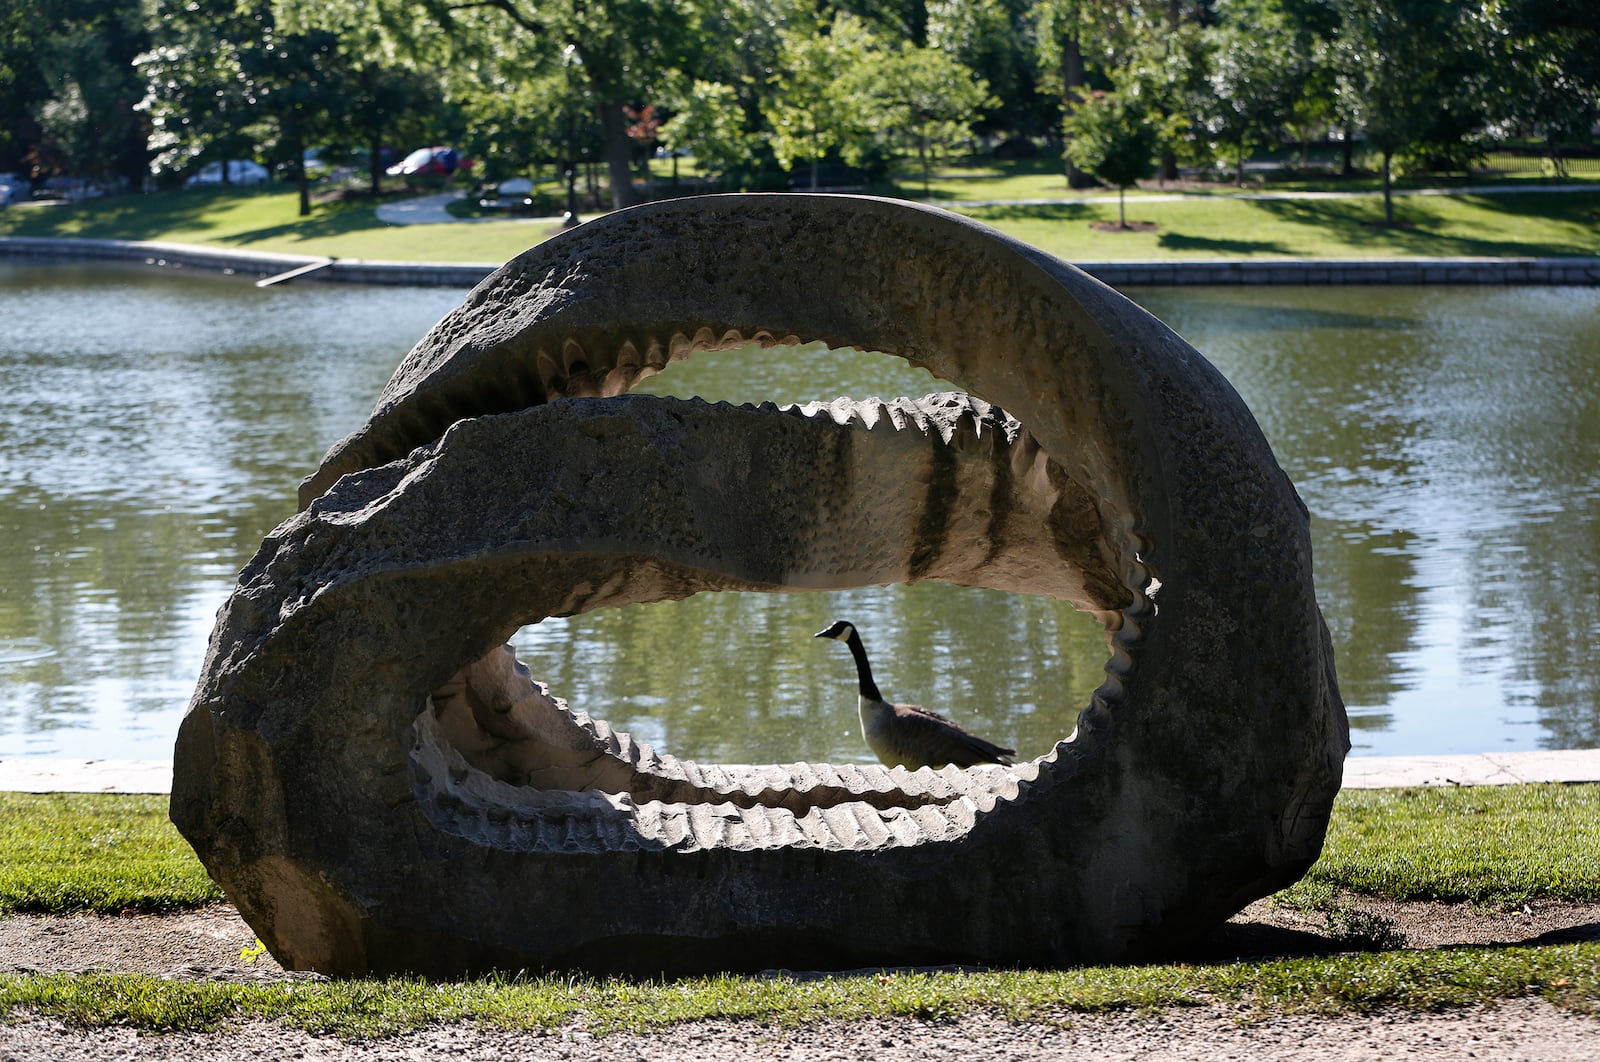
(1121, 274)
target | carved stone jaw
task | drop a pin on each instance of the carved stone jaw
(380, 786)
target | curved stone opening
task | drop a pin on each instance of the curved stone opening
(495, 753)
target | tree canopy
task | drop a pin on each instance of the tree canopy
(766, 92)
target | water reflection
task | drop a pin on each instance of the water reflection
(1445, 442)
(154, 428)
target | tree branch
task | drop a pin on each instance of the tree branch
(505, 7)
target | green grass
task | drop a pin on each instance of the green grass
(1566, 975)
(268, 220)
(100, 853)
(1513, 225)
(1221, 225)
(1043, 178)
(1485, 844)
(1488, 845)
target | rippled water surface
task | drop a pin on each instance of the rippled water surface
(154, 426)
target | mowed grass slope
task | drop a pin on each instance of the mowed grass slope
(1530, 223)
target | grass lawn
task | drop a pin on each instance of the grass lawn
(1218, 225)
(1488, 845)
(1530, 224)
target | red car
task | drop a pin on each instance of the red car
(429, 162)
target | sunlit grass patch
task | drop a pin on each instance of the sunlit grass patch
(1514, 225)
(1485, 844)
(103, 853)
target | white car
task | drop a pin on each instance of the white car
(241, 172)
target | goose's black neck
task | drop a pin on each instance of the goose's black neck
(869, 689)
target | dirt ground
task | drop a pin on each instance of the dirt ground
(206, 945)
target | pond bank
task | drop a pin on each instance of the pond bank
(1119, 274)
(39, 774)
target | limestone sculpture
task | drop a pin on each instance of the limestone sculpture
(381, 787)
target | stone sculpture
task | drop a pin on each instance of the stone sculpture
(381, 787)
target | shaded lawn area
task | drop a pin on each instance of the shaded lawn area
(267, 220)
(1515, 224)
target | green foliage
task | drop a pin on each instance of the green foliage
(928, 96)
(820, 102)
(753, 85)
(1256, 76)
(1110, 136)
(68, 89)
(711, 124)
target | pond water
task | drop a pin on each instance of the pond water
(154, 425)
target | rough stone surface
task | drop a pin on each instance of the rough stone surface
(380, 787)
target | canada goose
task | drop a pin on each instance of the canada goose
(906, 735)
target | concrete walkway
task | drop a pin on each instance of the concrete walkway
(431, 210)
(41, 775)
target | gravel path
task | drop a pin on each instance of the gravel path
(1514, 1031)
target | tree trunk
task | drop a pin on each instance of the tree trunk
(1349, 166)
(917, 22)
(1388, 195)
(375, 165)
(1169, 166)
(1169, 159)
(1073, 78)
(618, 148)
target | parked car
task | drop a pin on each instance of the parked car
(241, 172)
(70, 189)
(428, 162)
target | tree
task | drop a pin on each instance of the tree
(1551, 51)
(1068, 30)
(712, 124)
(376, 96)
(821, 100)
(1254, 74)
(67, 88)
(931, 97)
(996, 40)
(200, 101)
(1167, 67)
(1408, 76)
(1110, 136)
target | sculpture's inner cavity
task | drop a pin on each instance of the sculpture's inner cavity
(820, 496)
